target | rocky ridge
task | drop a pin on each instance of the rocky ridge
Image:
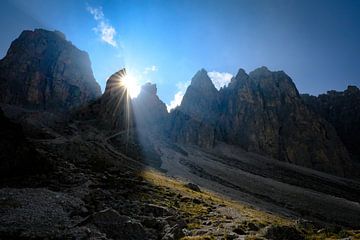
(261, 112)
(342, 110)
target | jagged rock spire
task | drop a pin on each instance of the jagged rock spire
(116, 109)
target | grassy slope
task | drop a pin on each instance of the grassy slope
(210, 216)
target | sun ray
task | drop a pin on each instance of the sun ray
(132, 85)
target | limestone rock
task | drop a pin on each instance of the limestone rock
(149, 110)
(186, 130)
(200, 100)
(115, 104)
(193, 187)
(44, 71)
(342, 110)
(193, 122)
(282, 233)
(261, 112)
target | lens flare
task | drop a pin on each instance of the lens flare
(131, 84)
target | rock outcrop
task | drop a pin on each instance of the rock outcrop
(150, 111)
(44, 71)
(116, 110)
(342, 110)
(113, 110)
(261, 112)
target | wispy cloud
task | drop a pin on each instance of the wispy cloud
(152, 68)
(181, 86)
(103, 28)
(220, 79)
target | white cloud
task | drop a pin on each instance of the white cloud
(96, 12)
(152, 68)
(220, 79)
(103, 28)
(182, 86)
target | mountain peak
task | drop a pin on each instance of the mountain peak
(114, 81)
(150, 111)
(261, 72)
(115, 109)
(241, 73)
(352, 89)
(202, 81)
(239, 77)
(149, 88)
(42, 70)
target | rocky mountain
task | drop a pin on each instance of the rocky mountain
(106, 170)
(342, 110)
(149, 110)
(113, 110)
(42, 70)
(115, 105)
(201, 99)
(193, 122)
(261, 112)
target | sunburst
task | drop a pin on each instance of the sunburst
(131, 84)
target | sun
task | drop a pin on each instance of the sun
(131, 84)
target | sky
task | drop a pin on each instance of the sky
(317, 43)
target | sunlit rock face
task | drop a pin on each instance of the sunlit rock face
(115, 104)
(150, 111)
(44, 71)
(261, 112)
(342, 110)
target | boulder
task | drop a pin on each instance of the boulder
(193, 187)
(118, 226)
(282, 233)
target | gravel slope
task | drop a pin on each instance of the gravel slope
(265, 183)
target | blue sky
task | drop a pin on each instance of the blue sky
(317, 43)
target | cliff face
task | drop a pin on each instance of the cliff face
(42, 70)
(342, 110)
(195, 119)
(201, 99)
(261, 112)
(150, 111)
